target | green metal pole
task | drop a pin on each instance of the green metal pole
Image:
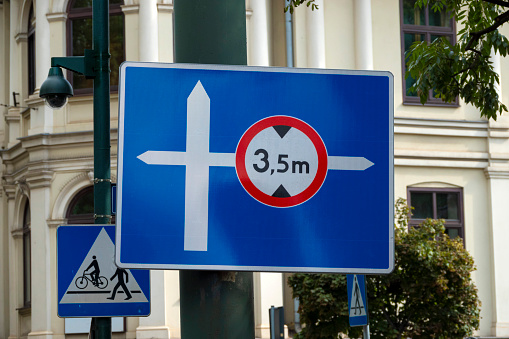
(213, 304)
(102, 170)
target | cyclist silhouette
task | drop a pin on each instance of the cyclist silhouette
(119, 273)
(95, 273)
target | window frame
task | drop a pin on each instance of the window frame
(83, 13)
(27, 257)
(458, 224)
(427, 30)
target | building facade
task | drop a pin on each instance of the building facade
(449, 162)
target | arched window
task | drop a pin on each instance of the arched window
(27, 262)
(31, 51)
(81, 208)
(79, 38)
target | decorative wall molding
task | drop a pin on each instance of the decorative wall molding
(17, 233)
(67, 191)
(438, 155)
(440, 163)
(39, 178)
(130, 9)
(496, 173)
(22, 187)
(54, 17)
(165, 8)
(434, 184)
(21, 37)
(54, 223)
(435, 127)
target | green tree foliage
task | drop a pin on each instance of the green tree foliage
(291, 4)
(428, 295)
(463, 69)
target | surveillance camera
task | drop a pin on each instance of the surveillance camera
(56, 89)
(56, 100)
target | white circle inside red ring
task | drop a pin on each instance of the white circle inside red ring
(252, 189)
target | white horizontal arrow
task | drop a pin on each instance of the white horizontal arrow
(228, 160)
(348, 163)
(181, 158)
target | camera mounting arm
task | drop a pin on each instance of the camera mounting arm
(79, 64)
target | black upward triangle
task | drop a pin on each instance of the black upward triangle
(282, 130)
(281, 192)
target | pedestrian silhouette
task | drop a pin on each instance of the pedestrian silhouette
(357, 296)
(95, 273)
(119, 273)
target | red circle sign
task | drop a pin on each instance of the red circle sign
(281, 161)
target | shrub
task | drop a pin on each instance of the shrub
(429, 294)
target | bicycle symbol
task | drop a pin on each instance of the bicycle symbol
(82, 282)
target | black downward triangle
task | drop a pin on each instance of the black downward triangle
(282, 130)
(281, 192)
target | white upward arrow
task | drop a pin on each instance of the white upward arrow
(198, 159)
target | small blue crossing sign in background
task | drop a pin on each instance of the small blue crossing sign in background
(357, 301)
(255, 169)
(89, 282)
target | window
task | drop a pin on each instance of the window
(422, 25)
(79, 38)
(438, 203)
(31, 51)
(81, 208)
(27, 262)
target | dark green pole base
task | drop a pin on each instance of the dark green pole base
(100, 328)
(216, 304)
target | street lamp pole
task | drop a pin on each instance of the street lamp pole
(95, 64)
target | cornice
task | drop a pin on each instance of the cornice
(10, 190)
(39, 179)
(10, 117)
(10, 154)
(479, 164)
(435, 127)
(409, 153)
(496, 173)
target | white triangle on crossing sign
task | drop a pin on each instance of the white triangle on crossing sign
(357, 308)
(82, 288)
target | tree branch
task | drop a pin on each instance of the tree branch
(474, 36)
(498, 2)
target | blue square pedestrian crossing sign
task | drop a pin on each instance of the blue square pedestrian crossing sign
(255, 169)
(89, 282)
(357, 301)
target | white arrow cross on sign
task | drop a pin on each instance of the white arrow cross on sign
(198, 159)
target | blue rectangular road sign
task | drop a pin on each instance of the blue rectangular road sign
(89, 282)
(357, 301)
(255, 169)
